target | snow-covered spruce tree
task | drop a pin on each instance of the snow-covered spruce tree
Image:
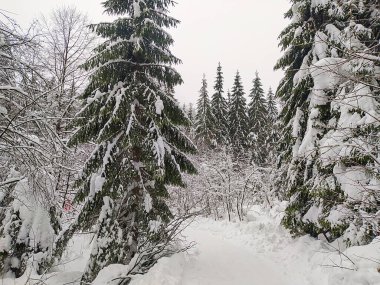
(272, 106)
(228, 100)
(258, 122)
(133, 119)
(219, 109)
(204, 119)
(191, 113)
(238, 119)
(272, 128)
(330, 120)
(28, 217)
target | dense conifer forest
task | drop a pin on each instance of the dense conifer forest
(106, 177)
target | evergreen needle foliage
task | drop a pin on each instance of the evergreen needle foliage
(330, 120)
(272, 126)
(219, 109)
(132, 117)
(258, 122)
(272, 106)
(205, 120)
(238, 119)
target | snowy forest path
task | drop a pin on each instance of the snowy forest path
(217, 259)
(258, 251)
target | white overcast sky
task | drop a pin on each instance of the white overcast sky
(241, 34)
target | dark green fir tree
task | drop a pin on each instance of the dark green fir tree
(219, 109)
(258, 122)
(238, 119)
(132, 117)
(204, 120)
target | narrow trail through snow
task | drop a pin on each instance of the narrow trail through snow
(257, 252)
(218, 260)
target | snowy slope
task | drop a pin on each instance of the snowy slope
(258, 251)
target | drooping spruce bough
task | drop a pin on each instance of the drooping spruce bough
(130, 114)
(331, 119)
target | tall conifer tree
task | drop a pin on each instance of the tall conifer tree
(205, 120)
(219, 109)
(272, 129)
(238, 119)
(228, 100)
(228, 116)
(191, 113)
(272, 106)
(258, 122)
(131, 115)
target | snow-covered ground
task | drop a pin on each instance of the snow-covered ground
(258, 251)
(217, 260)
(261, 252)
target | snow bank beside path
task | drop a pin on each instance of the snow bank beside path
(168, 271)
(68, 272)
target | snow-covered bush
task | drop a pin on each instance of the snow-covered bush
(224, 187)
(28, 230)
